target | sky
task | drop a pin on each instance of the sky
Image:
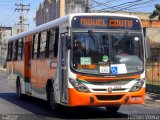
(127, 5)
(9, 17)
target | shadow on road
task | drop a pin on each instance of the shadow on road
(40, 108)
(155, 96)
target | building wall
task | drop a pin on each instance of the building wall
(50, 9)
(153, 34)
(76, 6)
(5, 33)
(47, 11)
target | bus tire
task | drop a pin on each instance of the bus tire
(18, 90)
(112, 109)
(51, 98)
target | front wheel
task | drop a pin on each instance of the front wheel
(51, 98)
(112, 109)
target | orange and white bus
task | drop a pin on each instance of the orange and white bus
(88, 59)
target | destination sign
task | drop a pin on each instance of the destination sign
(106, 22)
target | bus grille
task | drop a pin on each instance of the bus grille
(119, 89)
(111, 82)
(109, 97)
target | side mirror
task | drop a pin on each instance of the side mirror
(148, 49)
(68, 42)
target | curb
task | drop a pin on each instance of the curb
(152, 97)
(2, 69)
(148, 98)
(157, 101)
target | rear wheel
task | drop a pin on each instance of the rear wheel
(51, 98)
(112, 109)
(19, 93)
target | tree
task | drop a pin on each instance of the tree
(156, 12)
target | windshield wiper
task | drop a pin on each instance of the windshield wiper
(92, 35)
(121, 38)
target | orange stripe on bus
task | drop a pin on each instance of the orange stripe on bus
(95, 78)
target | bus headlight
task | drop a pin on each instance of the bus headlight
(79, 86)
(137, 86)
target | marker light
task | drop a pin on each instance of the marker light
(137, 86)
(79, 86)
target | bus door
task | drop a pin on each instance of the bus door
(27, 62)
(63, 69)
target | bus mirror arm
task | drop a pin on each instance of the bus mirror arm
(148, 49)
(68, 42)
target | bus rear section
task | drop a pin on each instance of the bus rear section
(106, 65)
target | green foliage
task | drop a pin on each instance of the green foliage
(156, 12)
(157, 6)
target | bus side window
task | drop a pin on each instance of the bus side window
(56, 42)
(35, 46)
(9, 53)
(14, 50)
(11, 50)
(7, 58)
(53, 42)
(43, 39)
(20, 47)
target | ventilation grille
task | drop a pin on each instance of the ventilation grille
(109, 97)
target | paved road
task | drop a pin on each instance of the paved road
(12, 108)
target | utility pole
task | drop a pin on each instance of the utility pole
(2, 38)
(62, 8)
(21, 7)
(2, 34)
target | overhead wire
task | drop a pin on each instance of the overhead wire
(102, 5)
(135, 4)
(124, 6)
(10, 15)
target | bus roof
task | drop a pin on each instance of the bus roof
(60, 21)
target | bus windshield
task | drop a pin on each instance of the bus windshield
(109, 53)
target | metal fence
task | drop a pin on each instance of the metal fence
(153, 76)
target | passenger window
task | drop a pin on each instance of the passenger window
(53, 42)
(9, 53)
(14, 50)
(20, 49)
(35, 46)
(43, 39)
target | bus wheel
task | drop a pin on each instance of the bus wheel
(112, 109)
(51, 98)
(18, 87)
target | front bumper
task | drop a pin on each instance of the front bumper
(103, 99)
